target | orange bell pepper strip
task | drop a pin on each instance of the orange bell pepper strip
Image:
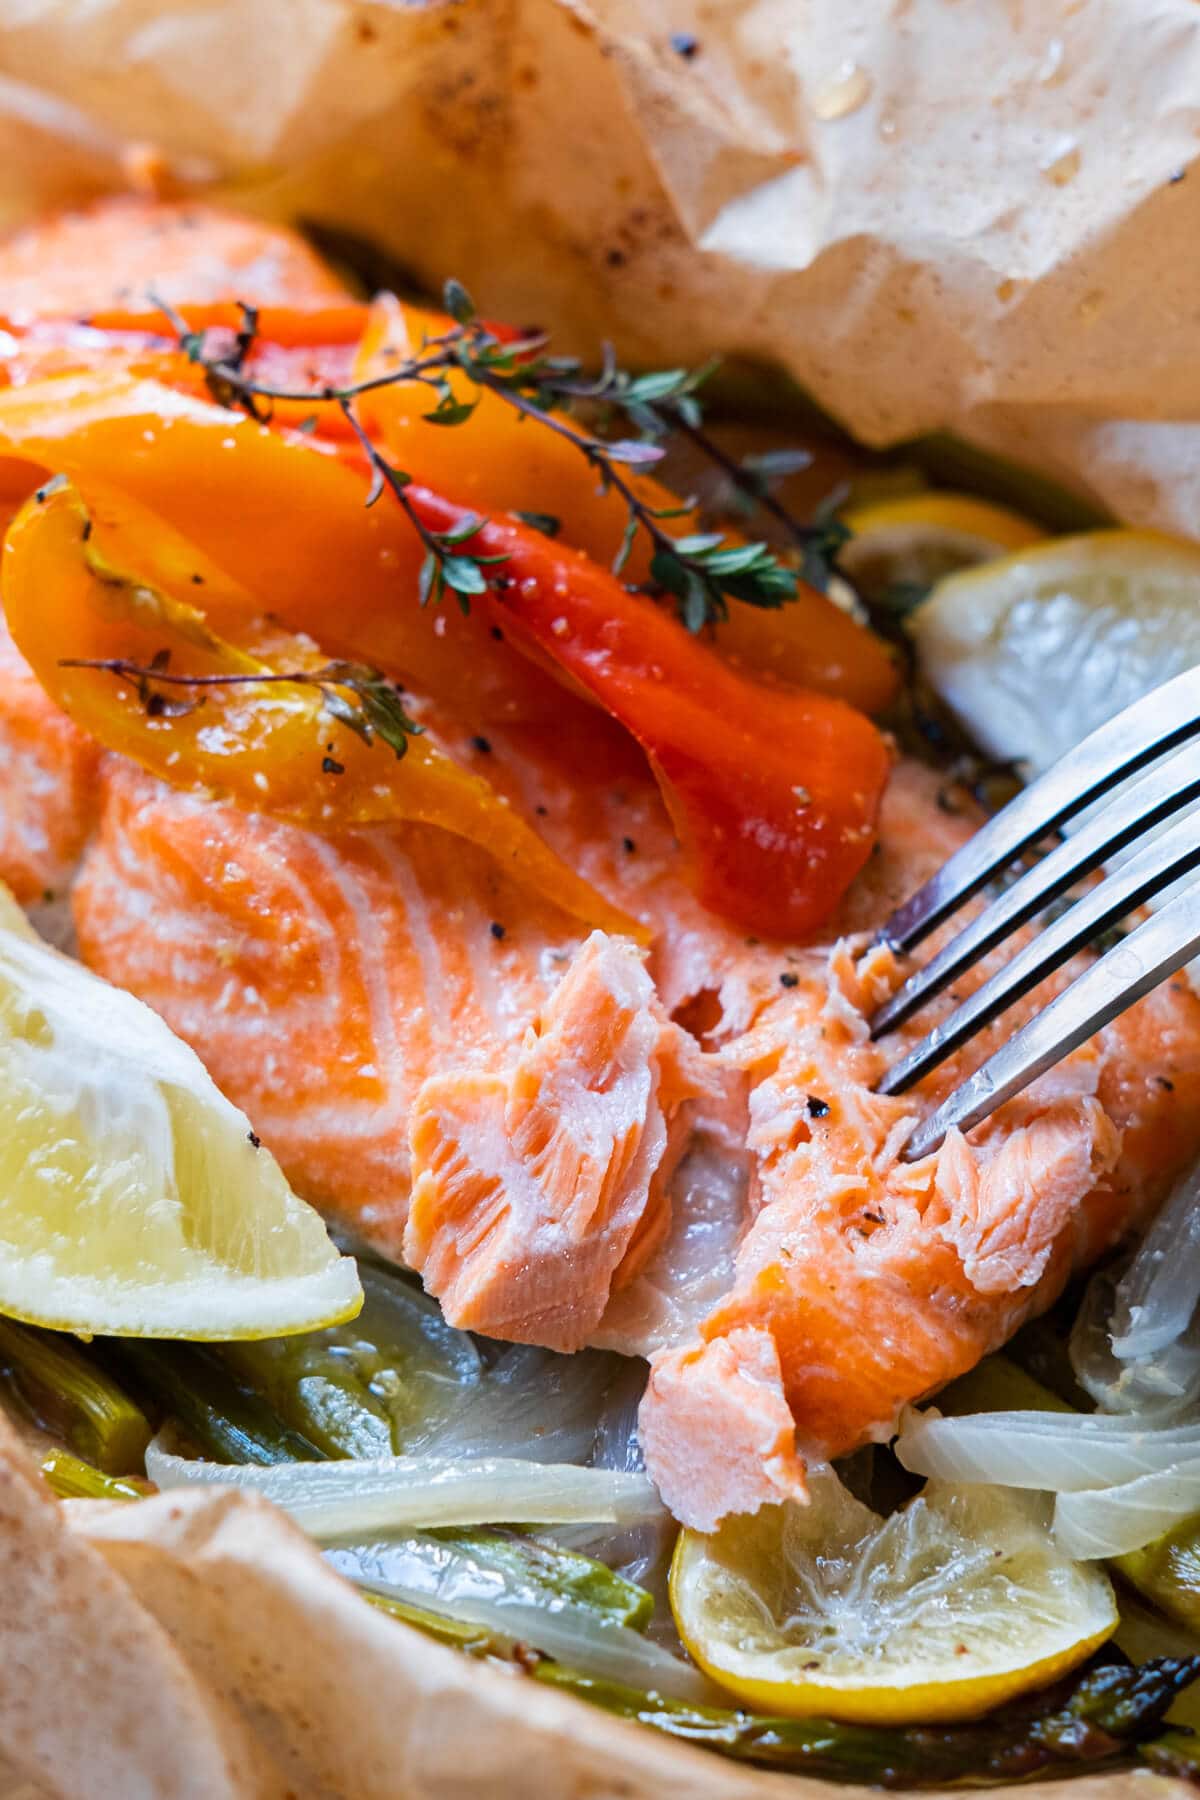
(267, 743)
(497, 462)
(774, 791)
(283, 516)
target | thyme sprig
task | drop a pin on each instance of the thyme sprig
(701, 570)
(354, 694)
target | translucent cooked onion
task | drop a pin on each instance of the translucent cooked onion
(616, 1444)
(1136, 1343)
(444, 1581)
(1062, 1453)
(531, 1404)
(1157, 1295)
(1113, 1520)
(345, 1499)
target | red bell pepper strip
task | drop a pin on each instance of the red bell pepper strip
(774, 791)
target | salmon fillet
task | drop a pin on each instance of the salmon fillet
(48, 795)
(111, 254)
(400, 1017)
(534, 1095)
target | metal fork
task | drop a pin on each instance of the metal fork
(1144, 733)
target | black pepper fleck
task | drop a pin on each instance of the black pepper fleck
(198, 580)
(629, 846)
(685, 44)
(330, 766)
(482, 744)
(788, 980)
(817, 1108)
(252, 1137)
(497, 930)
(1165, 1083)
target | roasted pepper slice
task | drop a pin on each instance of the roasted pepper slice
(282, 516)
(774, 791)
(497, 462)
(275, 746)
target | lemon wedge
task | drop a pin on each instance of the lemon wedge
(918, 539)
(1034, 651)
(940, 1612)
(133, 1196)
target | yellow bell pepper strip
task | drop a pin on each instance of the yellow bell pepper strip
(283, 516)
(496, 461)
(266, 722)
(774, 791)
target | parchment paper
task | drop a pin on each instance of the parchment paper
(196, 1647)
(978, 215)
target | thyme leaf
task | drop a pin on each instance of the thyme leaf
(354, 694)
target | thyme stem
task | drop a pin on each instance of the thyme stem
(700, 569)
(375, 709)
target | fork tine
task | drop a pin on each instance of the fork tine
(1145, 804)
(1147, 956)
(1158, 722)
(1153, 869)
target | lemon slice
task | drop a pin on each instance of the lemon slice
(133, 1197)
(1036, 650)
(939, 1612)
(920, 538)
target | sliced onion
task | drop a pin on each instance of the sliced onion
(531, 1404)
(1162, 1389)
(1136, 1342)
(1157, 1295)
(573, 1634)
(1058, 1452)
(1111, 1521)
(616, 1444)
(343, 1499)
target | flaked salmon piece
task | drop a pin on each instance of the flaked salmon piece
(75, 264)
(879, 1281)
(539, 1188)
(342, 988)
(720, 1420)
(48, 793)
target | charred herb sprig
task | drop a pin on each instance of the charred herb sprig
(700, 570)
(356, 695)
